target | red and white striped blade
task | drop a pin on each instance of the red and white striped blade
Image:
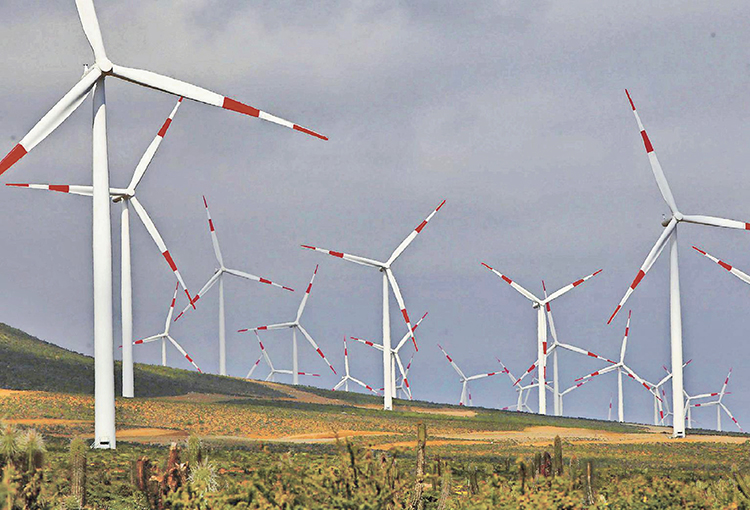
(525, 293)
(250, 373)
(403, 374)
(645, 384)
(365, 386)
(181, 88)
(249, 276)
(736, 272)
(506, 371)
(61, 111)
(599, 372)
(86, 191)
(453, 363)
(724, 386)
(263, 352)
(625, 338)
(726, 410)
(346, 256)
(407, 336)
(367, 342)
(149, 339)
(481, 376)
(90, 23)
(269, 327)
(523, 376)
(309, 374)
(650, 259)
(171, 308)
(214, 238)
(661, 179)
(182, 351)
(401, 304)
(315, 346)
(550, 320)
(569, 287)
(154, 233)
(713, 221)
(148, 156)
(307, 295)
(578, 350)
(210, 283)
(413, 235)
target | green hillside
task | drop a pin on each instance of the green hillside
(28, 363)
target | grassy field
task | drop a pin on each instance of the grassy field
(267, 445)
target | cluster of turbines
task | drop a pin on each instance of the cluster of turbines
(395, 372)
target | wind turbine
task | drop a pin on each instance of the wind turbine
(347, 377)
(622, 368)
(93, 80)
(218, 275)
(660, 405)
(669, 234)
(388, 278)
(540, 305)
(465, 390)
(164, 336)
(294, 326)
(403, 383)
(396, 360)
(273, 371)
(126, 196)
(719, 404)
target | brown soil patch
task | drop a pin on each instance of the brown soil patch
(430, 442)
(47, 421)
(151, 434)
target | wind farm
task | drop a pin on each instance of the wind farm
(534, 169)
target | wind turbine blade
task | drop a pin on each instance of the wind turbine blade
(90, 24)
(713, 221)
(523, 376)
(307, 295)
(525, 293)
(365, 386)
(210, 283)
(598, 372)
(574, 387)
(578, 350)
(645, 384)
(182, 351)
(506, 371)
(149, 339)
(367, 342)
(250, 373)
(661, 179)
(481, 376)
(249, 276)
(52, 119)
(406, 337)
(214, 238)
(171, 308)
(401, 304)
(570, 287)
(406, 242)
(269, 327)
(625, 339)
(726, 410)
(650, 259)
(550, 320)
(85, 191)
(403, 373)
(181, 88)
(146, 220)
(148, 156)
(351, 258)
(453, 363)
(309, 374)
(736, 272)
(264, 353)
(315, 346)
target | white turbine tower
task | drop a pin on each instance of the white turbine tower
(540, 305)
(622, 369)
(273, 371)
(669, 234)
(388, 279)
(347, 377)
(93, 80)
(718, 403)
(164, 336)
(294, 326)
(396, 359)
(218, 275)
(126, 196)
(465, 390)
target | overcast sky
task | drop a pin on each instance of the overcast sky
(513, 112)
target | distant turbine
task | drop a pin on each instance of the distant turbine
(164, 336)
(388, 278)
(669, 234)
(347, 377)
(273, 371)
(218, 275)
(125, 197)
(540, 305)
(465, 390)
(660, 405)
(294, 326)
(93, 80)
(718, 403)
